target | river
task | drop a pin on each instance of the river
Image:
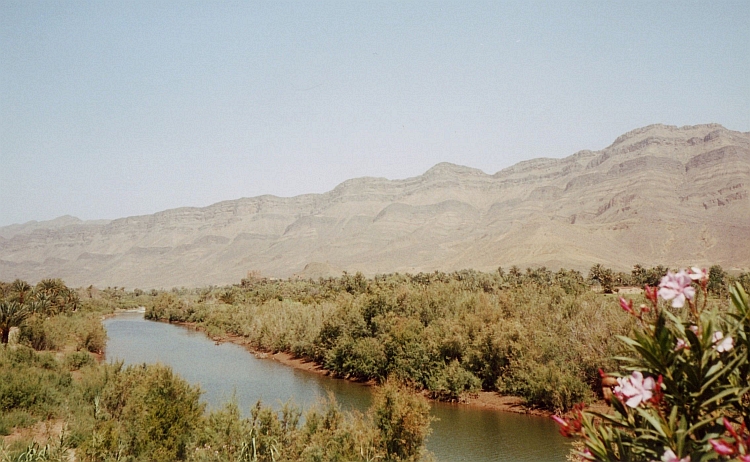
(226, 370)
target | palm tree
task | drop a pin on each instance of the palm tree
(71, 299)
(40, 305)
(21, 288)
(12, 314)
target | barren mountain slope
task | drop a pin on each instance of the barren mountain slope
(657, 195)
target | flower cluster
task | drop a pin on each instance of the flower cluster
(670, 456)
(571, 427)
(722, 344)
(695, 359)
(677, 287)
(699, 275)
(635, 390)
(739, 447)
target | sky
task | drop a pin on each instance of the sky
(118, 108)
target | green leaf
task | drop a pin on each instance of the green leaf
(610, 418)
(731, 391)
(740, 299)
(714, 369)
(700, 424)
(652, 420)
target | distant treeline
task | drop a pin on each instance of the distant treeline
(538, 334)
(718, 280)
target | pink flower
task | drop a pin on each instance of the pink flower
(680, 344)
(626, 305)
(670, 456)
(676, 287)
(635, 389)
(698, 274)
(722, 447)
(560, 421)
(572, 427)
(745, 458)
(722, 344)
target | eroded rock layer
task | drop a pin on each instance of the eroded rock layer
(657, 195)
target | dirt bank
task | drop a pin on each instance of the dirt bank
(482, 400)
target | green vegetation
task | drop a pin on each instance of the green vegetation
(684, 394)
(109, 412)
(12, 314)
(537, 334)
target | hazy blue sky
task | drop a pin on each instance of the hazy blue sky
(111, 109)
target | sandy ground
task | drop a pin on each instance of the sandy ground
(41, 432)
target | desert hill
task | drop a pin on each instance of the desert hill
(657, 195)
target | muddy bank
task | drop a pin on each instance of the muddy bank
(482, 400)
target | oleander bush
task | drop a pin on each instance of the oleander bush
(681, 392)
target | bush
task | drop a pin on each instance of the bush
(84, 331)
(362, 358)
(684, 395)
(35, 333)
(403, 420)
(31, 382)
(77, 360)
(413, 327)
(145, 412)
(90, 335)
(546, 386)
(454, 383)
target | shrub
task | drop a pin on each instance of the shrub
(144, 412)
(90, 335)
(362, 358)
(455, 382)
(403, 420)
(35, 333)
(547, 386)
(31, 382)
(684, 395)
(77, 360)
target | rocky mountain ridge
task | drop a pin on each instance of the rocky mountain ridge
(657, 195)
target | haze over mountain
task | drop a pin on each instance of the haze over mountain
(657, 195)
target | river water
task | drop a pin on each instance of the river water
(227, 370)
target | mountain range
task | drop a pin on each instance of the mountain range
(661, 194)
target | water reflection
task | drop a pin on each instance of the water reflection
(226, 370)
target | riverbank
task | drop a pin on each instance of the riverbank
(482, 400)
(226, 371)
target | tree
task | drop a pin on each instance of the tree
(21, 290)
(603, 276)
(12, 314)
(403, 419)
(638, 275)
